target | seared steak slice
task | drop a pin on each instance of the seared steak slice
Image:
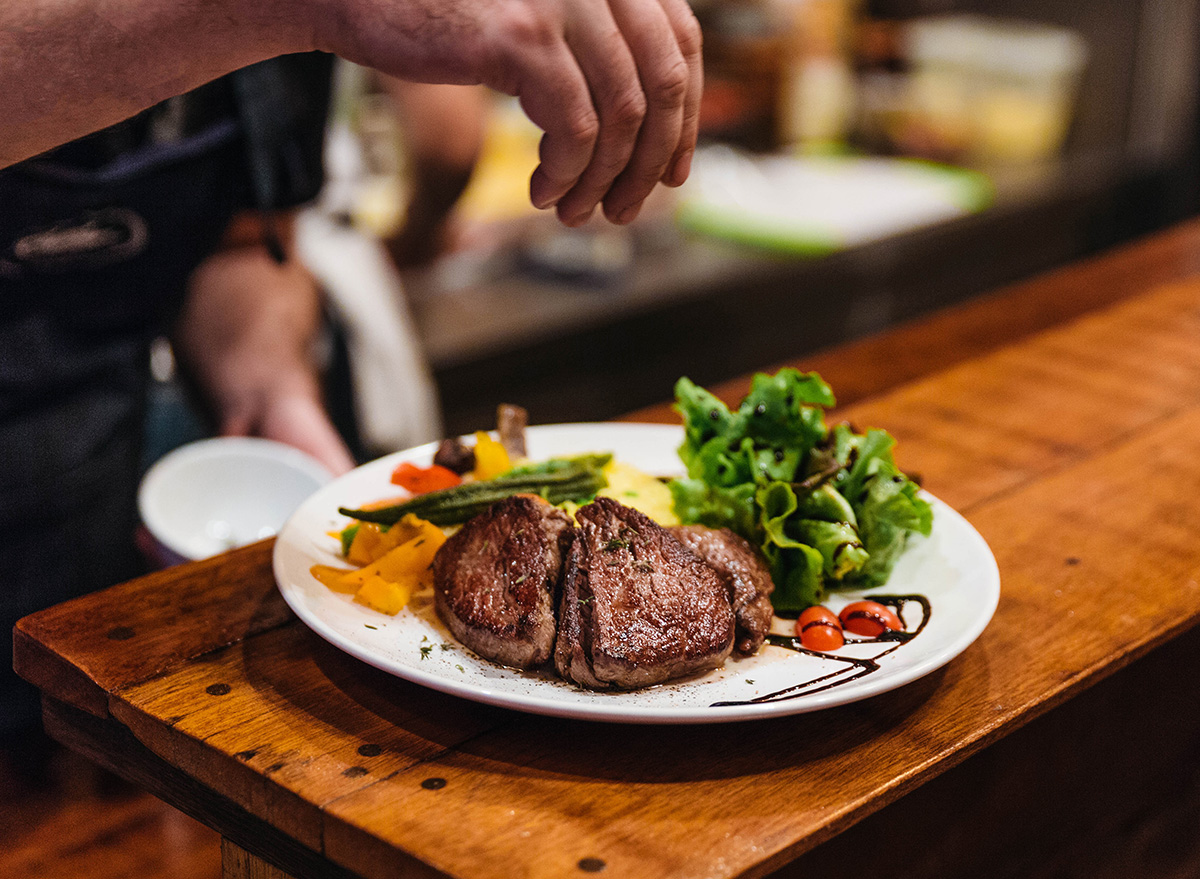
(495, 580)
(747, 578)
(638, 607)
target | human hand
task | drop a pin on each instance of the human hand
(613, 84)
(245, 339)
(297, 419)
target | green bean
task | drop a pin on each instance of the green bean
(556, 480)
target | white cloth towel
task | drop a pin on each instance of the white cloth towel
(395, 397)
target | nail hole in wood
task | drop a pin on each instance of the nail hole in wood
(592, 865)
(433, 783)
(355, 772)
(370, 750)
(217, 689)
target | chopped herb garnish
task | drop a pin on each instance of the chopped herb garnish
(615, 544)
(460, 668)
(520, 579)
(369, 626)
(426, 650)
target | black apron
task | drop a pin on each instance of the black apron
(97, 240)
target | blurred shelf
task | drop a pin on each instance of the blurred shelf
(711, 309)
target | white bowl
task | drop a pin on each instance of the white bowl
(210, 496)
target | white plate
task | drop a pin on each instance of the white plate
(953, 570)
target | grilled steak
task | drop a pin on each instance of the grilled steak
(495, 580)
(747, 578)
(638, 607)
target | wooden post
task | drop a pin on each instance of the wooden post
(237, 863)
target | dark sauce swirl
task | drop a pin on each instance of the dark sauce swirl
(854, 669)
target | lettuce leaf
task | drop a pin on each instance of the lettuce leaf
(699, 503)
(797, 567)
(828, 508)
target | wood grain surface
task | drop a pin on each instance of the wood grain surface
(1073, 450)
(876, 364)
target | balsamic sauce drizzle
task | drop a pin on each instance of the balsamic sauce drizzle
(854, 668)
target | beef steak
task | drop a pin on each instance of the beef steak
(747, 578)
(638, 607)
(496, 580)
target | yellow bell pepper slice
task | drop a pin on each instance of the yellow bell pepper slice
(491, 458)
(333, 577)
(412, 558)
(402, 532)
(394, 563)
(383, 595)
(366, 545)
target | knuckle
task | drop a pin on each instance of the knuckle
(608, 165)
(626, 109)
(526, 28)
(582, 127)
(671, 85)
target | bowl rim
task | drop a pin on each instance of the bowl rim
(151, 486)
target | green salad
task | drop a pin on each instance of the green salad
(827, 506)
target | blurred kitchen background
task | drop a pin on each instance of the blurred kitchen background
(862, 163)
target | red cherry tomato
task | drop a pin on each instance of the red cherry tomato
(819, 629)
(420, 480)
(869, 618)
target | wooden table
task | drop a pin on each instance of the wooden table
(1062, 417)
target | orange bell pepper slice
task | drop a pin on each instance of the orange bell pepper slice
(421, 480)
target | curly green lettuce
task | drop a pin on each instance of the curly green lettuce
(828, 508)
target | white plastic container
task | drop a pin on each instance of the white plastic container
(993, 90)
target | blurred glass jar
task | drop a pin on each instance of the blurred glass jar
(742, 50)
(817, 84)
(989, 90)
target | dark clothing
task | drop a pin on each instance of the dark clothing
(97, 241)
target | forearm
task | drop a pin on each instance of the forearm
(246, 340)
(614, 84)
(248, 328)
(443, 133)
(70, 67)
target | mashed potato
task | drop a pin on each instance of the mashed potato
(645, 493)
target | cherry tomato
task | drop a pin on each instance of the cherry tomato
(819, 629)
(869, 618)
(420, 480)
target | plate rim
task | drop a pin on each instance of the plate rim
(611, 710)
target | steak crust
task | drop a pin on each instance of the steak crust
(638, 607)
(496, 580)
(747, 578)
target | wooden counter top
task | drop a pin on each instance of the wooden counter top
(1062, 417)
